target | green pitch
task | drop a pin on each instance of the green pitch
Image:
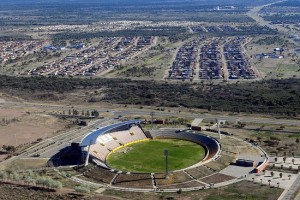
(149, 156)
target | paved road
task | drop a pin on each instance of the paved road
(132, 111)
(254, 14)
(52, 146)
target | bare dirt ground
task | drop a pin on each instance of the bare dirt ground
(272, 141)
(273, 68)
(25, 125)
(24, 164)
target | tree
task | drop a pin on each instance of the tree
(75, 112)
(259, 139)
(284, 159)
(276, 159)
(9, 148)
(293, 161)
(280, 175)
(95, 113)
(269, 182)
(179, 192)
(297, 140)
(272, 174)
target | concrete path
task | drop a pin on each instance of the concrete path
(290, 191)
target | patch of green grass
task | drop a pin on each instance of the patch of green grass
(149, 156)
(288, 70)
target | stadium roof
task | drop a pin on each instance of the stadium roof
(92, 137)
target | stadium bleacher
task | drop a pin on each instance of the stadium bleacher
(139, 180)
(217, 178)
(199, 172)
(108, 142)
(100, 175)
(188, 184)
(173, 178)
(191, 177)
(211, 144)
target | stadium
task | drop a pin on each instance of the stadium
(124, 157)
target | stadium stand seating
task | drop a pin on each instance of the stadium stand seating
(174, 178)
(100, 175)
(199, 172)
(211, 144)
(217, 178)
(138, 180)
(108, 142)
(188, 184)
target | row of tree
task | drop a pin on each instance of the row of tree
(278, 96)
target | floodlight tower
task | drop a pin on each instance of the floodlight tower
(152, 116)
(166, 153)
(88, 154)
(218, 126)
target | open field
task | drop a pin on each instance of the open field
(25, 125)
(149, 156)
(275, 142)
(275, 68)
(25, 164)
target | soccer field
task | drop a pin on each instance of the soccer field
(149, 156)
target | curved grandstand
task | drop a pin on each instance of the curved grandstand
(211, 145)
(104, 141)
(99, 144)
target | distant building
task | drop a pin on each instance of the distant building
(49, 48)
(269, 55)
(77, 46)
